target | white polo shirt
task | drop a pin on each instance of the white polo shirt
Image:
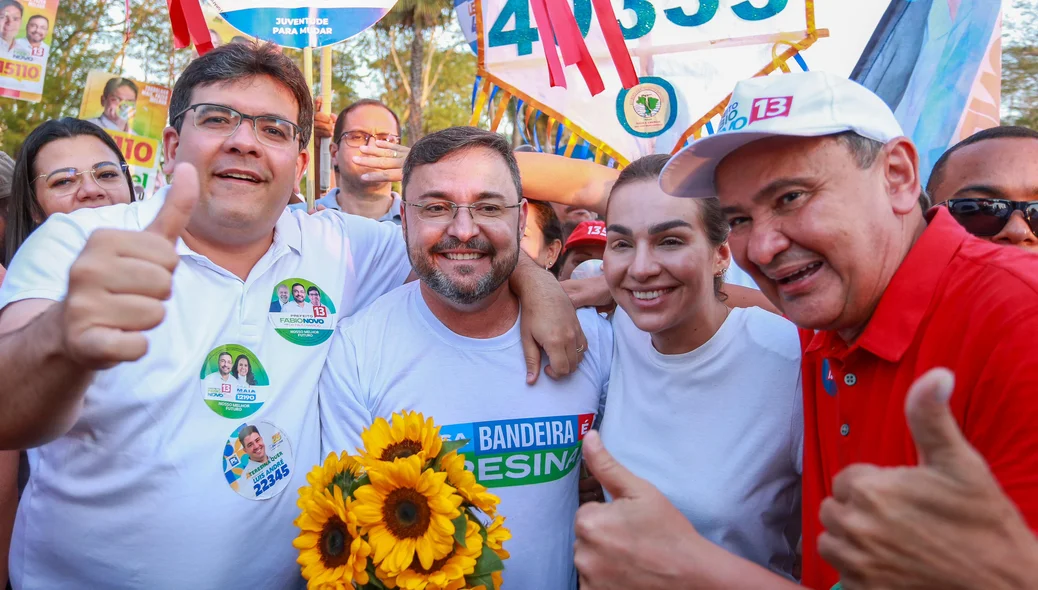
(150, 488)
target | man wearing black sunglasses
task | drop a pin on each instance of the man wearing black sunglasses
(367, 158)
(989, 183)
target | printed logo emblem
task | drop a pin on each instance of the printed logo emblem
(257, 461)
(828, 382)
(770, 108)
(526, 451)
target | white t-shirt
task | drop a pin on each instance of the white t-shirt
(305, 308)
(136, 494)
(396, 355)
(718, 430)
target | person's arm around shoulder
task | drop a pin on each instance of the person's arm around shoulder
(549, 321)
(557, 179)
(379, 255)
(8, 505)
(116, 287)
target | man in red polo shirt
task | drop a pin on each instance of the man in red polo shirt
(823, 192)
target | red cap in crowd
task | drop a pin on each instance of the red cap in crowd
(587, 233)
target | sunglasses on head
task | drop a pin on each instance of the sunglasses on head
(987, 217)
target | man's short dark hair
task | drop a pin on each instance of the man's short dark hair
(234, 61)
(246, 431)
(300, 285)
(36, 16)
(340, 122)
(436, 146)
(115, 83)
(224, 353)
(865, 152)
(313, 290)
(5, 3)
(1004, 132)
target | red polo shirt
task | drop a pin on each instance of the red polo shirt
(956, 301)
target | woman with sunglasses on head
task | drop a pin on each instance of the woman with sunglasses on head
(64, 165)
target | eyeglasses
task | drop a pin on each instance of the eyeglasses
(360, 138)
(220, 120)
(446, 211)
(987, 217)
(66, 181)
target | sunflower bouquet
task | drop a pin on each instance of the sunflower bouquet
(403, 513)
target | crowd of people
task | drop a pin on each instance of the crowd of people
(784, 360)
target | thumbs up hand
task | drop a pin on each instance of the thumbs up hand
(639, 540)
(120, 279)
(943, 524)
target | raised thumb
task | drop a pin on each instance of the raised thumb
(614, 477)
(180, 202)
(936, 434)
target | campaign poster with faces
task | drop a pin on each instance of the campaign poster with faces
(134, 113)
(26, 34)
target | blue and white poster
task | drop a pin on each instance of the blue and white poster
(465, 12)
(302, 23)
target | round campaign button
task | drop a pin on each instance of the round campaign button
(649, 109)
(234, 383)
(302, 312)
(257, 460)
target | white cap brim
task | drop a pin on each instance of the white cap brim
(690, 173)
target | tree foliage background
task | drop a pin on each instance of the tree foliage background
(1020, 66)
(94, 35)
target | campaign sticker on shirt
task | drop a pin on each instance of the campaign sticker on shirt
(234, 383)
(301, 312)
(257, 460)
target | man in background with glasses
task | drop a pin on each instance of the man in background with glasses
(460, 359)
(367, 158)
(989, 183)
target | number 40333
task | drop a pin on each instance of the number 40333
(523, 35)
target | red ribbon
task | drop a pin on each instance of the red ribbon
(614, 39)
(189, 26)
(555, 18)
(556, 75)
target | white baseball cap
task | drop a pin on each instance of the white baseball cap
(808, 104)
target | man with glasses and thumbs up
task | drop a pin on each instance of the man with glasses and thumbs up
(107, 317)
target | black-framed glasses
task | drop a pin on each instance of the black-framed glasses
(224, 121)
(66, 181)
(988, 217)
(446, 211)
(359, 138)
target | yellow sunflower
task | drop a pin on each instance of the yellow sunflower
(497, 534)
(322, 476)
(331, 552)
(405, 513)
(446, 573)
(463, 480)
(409, 434)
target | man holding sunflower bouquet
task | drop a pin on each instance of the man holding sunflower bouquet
(460, 362)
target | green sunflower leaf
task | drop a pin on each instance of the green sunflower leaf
(357, 483)
(373, 582)
(486, 580)
(451, 445)
(488, 563)
(460, 527)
